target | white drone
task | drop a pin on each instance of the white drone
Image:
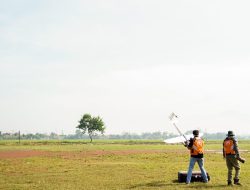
(182, 138)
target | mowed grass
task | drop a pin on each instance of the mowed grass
(137, 170)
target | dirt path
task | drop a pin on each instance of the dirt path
(70, 154)
(22, 153)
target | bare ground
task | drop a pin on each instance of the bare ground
(35, 153)
(68, 154)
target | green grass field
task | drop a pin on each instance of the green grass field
(109, 165)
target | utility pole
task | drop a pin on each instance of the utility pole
(19, 136)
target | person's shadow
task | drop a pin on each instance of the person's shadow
(175, 183)
(155, 184)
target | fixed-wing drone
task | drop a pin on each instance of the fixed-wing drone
(180, 139)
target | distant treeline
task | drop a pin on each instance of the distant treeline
(79, 135)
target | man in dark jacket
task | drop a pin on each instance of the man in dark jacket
(196, 147)
(232, 156)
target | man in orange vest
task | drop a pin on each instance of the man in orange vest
(231, 153)
(196, 147)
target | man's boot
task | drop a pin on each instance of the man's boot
(229, 183)
(236, 182)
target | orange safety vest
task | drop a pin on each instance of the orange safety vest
(229, 146)
(198, 147)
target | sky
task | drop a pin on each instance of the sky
(130, 62)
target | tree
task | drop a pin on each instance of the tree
(92, 125)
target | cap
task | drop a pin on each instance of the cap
(196, 132)
(230, 133)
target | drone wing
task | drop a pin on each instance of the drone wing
(179, 139)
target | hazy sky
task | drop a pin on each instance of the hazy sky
(131, 62)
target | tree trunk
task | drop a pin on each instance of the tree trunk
(90, 136)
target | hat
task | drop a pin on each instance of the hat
(196, 132)
(230, 133)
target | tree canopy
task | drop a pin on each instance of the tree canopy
(91, 125)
